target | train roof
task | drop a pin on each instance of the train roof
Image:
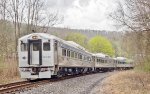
(49, 36)
(100, 55)
(45, 35)
(75, 44)
(120, 58)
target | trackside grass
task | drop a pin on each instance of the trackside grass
(9, 71)
(126, 82)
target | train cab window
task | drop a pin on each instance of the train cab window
(46, 46)
(36, 46)
(24, 46)
(64, 52)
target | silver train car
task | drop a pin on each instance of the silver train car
(122, 63)
(43, 55)
(103, 62)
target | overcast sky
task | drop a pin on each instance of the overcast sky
(85, 14)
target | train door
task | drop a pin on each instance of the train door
(56, 56)
(56, 52)
(35, 52)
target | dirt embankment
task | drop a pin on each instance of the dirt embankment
(126, 82)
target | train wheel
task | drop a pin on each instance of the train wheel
(59, 74)
(29, 79)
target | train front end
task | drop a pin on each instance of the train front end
(35, 56)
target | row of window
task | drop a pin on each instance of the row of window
(35, 46)
(73, 54)
(121, 62)
(101, 61)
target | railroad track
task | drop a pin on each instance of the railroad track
(26, 85)
(19, 86)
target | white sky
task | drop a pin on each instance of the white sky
(85, 14)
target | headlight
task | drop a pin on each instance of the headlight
(25, 69)
(44, 69)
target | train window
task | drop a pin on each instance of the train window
(46, 46)
(85, 58)
(80, 56)
(102, 61)
(36, 46)
(55, 45)
(64, 52)
(93, 58)
(72, 54)
(24, 46)
(68, 53)
(89, 59)
(76, 55)
(97, 60)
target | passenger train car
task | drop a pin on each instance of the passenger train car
(103, 62)
(121, 63)
(43, 55)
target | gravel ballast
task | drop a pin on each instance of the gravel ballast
(79, 85)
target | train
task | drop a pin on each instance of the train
(43, 55)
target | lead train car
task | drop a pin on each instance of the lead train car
(42, 56)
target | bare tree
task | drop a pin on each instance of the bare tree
(29, 12)
(35, 18)
(134, 16)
